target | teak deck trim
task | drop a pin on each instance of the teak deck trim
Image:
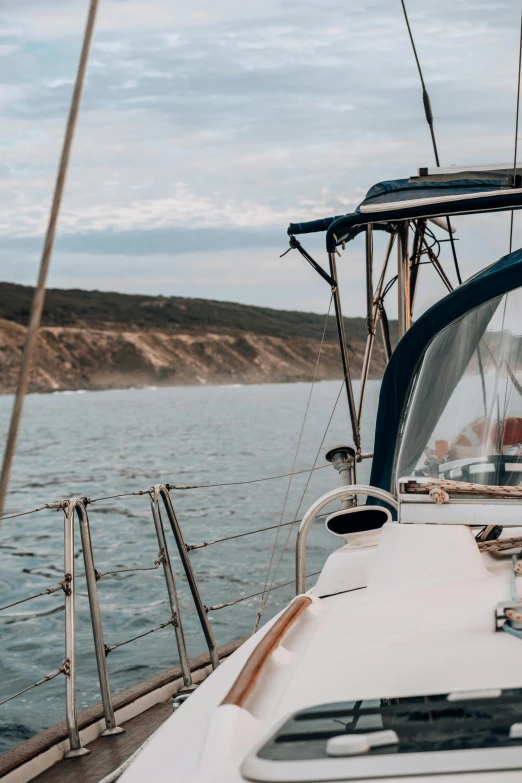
(249, 674)
(107, 754)
(53, 736)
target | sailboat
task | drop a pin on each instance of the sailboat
(401, 661)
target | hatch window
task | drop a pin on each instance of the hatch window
(424, 723)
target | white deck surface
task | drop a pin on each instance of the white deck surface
(423, 625)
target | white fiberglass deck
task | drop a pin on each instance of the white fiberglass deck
(422, 624)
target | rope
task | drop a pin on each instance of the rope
(47, 677)
(263, 598)
(39, 294)
(254, 595)
(37, 595)
(500, 544)
(441, 487)
(516, 133)
(429, 119)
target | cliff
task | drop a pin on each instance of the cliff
(98, 340)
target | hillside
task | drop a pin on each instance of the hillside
(98, 340)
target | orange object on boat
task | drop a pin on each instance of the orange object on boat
(475, 434)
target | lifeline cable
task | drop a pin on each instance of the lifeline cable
(89, 501)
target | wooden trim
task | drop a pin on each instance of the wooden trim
(249, 674)
(47, 739)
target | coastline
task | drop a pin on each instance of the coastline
(71, 359)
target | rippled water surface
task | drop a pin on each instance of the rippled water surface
(105, 443)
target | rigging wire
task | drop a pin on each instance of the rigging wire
(429, 119)
(507, 397)
(264, 597)
(516, 133)
(272, 554)
(39, 294)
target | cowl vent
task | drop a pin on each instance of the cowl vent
(357, 520)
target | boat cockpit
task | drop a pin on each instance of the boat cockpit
(464, 417)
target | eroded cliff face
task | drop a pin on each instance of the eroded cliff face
(72, 358)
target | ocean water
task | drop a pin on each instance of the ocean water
(105, 443)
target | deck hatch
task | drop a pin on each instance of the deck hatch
(434, 735)
(426, 723)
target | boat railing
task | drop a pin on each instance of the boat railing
(75, 509)
(344, 492)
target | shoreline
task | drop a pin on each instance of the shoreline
(214, 385)
(71, 359)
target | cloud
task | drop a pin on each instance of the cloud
(214, 125)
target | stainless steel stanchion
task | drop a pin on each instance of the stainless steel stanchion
(171, 586)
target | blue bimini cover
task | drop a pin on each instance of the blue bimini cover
(500, 278)
(402, 198)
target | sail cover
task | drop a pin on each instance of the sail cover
(500, 278)
(415, 198)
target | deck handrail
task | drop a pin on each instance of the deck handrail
(158, 495)
(261, 654)
(311, 514)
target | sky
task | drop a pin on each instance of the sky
(206, 127)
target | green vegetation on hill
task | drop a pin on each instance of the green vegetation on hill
(101, 309)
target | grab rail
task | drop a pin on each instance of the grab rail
(259, 657)
(311, 514)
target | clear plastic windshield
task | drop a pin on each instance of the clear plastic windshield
(464, 419)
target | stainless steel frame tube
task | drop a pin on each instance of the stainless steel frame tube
(420, 228)
(76, 504)
(315, 508)
(344, 355)
(369, 277)
(163, 491)
(171, 586)
(70, 638)
(372, 321)
(403, 279)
